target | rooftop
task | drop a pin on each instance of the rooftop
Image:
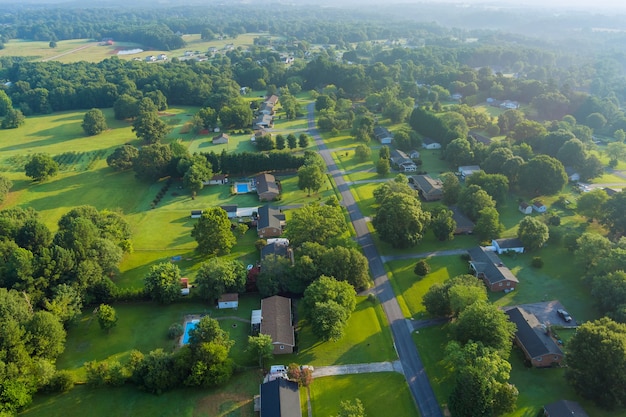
(532, 334)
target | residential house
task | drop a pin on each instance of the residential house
(535, 339)
(508, 245)
(466, 171)
(428, 143)
(279, 249)
(402, 162)
(276, 321)
(150, 58)
(610, 191)
(509, 105)
(429, 188)
(572, 175)
(263, 121)
(463, 224)
(266, 187)
(564, 408)
(221, 139)
(383, 135)
(539, 207)
(272, 100)
(162, 57)
(487, 266)
(480, 138)
(456, 96)
(280, 398)
(525, 208)
(217, 179)
(228, 300)
(231, 211)
(414, 154)
(270, 222)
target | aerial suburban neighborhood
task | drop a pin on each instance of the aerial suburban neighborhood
(312, 210)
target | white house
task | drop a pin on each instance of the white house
(572, 175)
(428, 143)
(539, 207)
(468, 170)
(413, 154)
(508, 245)
(383, 135)
(228, 300)
(525, 208)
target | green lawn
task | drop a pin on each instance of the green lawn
(382, 394)
(232, 400)
(367, 339)
(410, 288)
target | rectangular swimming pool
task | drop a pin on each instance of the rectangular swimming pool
(190, 325)
(242, 187)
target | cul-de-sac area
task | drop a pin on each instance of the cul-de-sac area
(311, 212)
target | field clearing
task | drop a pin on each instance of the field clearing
(382, 394)
(232, 400)
(75, 50)
(410, 289)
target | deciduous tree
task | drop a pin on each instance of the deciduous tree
(219, 276)
(400, 220)
(484, 322)
(533, 233)
(163, 282)
(261, 347)
(94, 122)
(41, 166)
(107, 317)
(123, 157)
(213, 232)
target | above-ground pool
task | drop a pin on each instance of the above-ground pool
(188, 327)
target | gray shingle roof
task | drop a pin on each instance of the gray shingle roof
(531, 333)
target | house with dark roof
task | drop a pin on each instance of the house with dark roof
(429, 188)
(463, 224)
(221, 139)
(231, 211)
(610, 191)
(480, 138)
(383, 135)
(539, 207)
(280, 398)
(525, 208)
(564, 408)
(466, 171)
(488, 267)
(428, 143)
(508, 245)
(401, 161)
(535, 339)
(279, 249)
(276, 321)
(270, 222)
(266, 187)
(263, 121)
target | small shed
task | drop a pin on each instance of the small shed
(196, 214)
(184, 286)
(221, 139)
(525, 208)
(228, 300)
(539, 207)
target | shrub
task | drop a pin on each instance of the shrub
(421, 268)
(371, 298)
(175, 331)
(537, 262)
(62, 381)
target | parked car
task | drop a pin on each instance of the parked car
(564, 315)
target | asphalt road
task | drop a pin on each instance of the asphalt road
(407, 352)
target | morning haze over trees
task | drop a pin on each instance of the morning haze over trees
(477, 165)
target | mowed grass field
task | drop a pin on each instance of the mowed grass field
(382, 394)
(75, 50)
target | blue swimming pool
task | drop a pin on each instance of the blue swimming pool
(242, 187)
(190, 325)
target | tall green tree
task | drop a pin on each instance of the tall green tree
(261, 346)
(219, 276)
(316, 223)
(148, 126)
(473, 199)
(485, 323)
(213, 232)
(596, 362)
(163, 282)
(542, 175)
(94, 122)
(351, 409)
(123, 157)
(5, 187)
(107, 317)
(443, 225)
(310, 178)
(400, 221)
(488, 225)
(13, 119)
(591, 204)
(451, 188)
(533, 233)
(614, 217)
(41, 166)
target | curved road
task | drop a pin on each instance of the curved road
(407, 352)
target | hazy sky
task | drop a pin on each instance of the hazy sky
(557, 4)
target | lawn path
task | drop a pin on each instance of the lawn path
(358, 368)
(414, 371)
(69, 52)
